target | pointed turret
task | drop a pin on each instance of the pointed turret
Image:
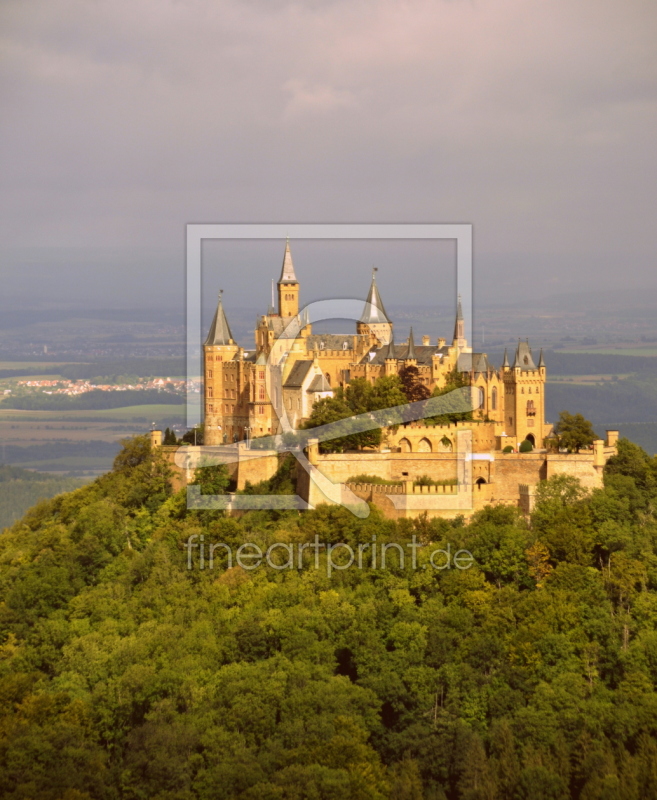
(505, 363)
(219, 332)
(287, 271)
(390, 351)
(541, 360)
(459, 326)
(410, 351)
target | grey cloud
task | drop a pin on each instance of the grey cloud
(122, 121)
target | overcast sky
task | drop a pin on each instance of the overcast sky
(123, 120)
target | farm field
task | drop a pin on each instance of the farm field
(82, 442)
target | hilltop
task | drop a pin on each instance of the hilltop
(531, 674)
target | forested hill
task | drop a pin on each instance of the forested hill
(95, 399)
(530, 675)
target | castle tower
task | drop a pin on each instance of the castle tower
(459, 329)
(288, 286)
(374, 320)
(221, 391)
(524, 396)
(391, 359)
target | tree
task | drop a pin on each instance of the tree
(169, 437)
(411, 385)
(574, 431)
(386, 393)
(212, 478)
(194, 435)
(453, 380)
(329, 410)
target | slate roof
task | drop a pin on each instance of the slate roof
(423, 353)
(524, 358)
(474, 361)
(298, 374)
(374, 312)
(287, 270)
(319, 384)
(219, 332)
(333, 341)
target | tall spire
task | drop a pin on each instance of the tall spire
(287, 271)
(459, 325)
(219, 332)
(541, 360)
(374, 311)
(505, 363)
(410, 352)
(390, 352)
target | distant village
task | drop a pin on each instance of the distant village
(74, 388)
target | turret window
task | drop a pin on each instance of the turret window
(493, 399)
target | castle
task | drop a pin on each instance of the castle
(445, 469)
(247, 391)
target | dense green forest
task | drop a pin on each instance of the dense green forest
(20, 489)
(96, 399)
(530, 675)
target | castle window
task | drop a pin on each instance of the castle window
(493, 398)
(344, 345)
(529, 391)
(261, 374)
(226, 407)
(209, 373)
(531, 409)
(261, 393)
(210, 391)
(220, 358)
(526, 360)
(510, 420)
(210, 408)
(523, 390)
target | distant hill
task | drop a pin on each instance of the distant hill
(96, 399)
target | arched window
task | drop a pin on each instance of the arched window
(328, 378)
(493, 399)
(405, 446)
(531, 408)
(424, 446)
